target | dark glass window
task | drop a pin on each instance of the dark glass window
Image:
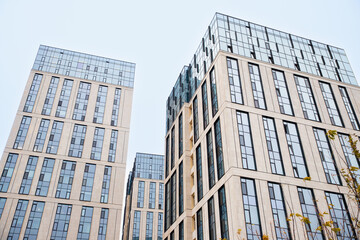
(45, 177)
(181, 144)
(212, 220)
(81, 101)
(8, 171)
(54, 139)
(18, 219)
(34, 220)
(219, 151)
(181, 230)
(112, 147)
(97, 144)
(149, 225)
(64, 98)
(167, 157)
(256, 85)
(85, 223)
(141, 193)
(49, 100)
(161, 195)
(234, 81)
(173, 197)
(152, 194)
(331, 105)
(100, 104)
(349, 108)
(136, 227)
(87, 182)
(214, 100)
(103, 223)
(181, 188)
(116, 106)
(66, 179)
(34, 88)
(77, 141)
(196, 120)
(172, 151)
(199, 180)
(210, 158)
(223, 213)
(160, 226)
(167, 204)
(246, 145)
(21, 134)
(282, 92)
(199, 224)
(41, 135)
(105, 185)
(61, 222)
(28, 175)
(2, 205)
(205, 104)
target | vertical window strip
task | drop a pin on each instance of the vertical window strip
(199, 180)
(160, 226)
(105, 185)
(331, 105)
(64, 98)
(65, 179)
(167, 157)
(223, 214)
(349, 108)
(81, 101)
(173, 197)
(8, 172)
(22, 132)
(18, 219)
(34, 88)
(61, 222)
(205, 104)
(149, 225)
(116, 106)
(181, 230)
(161, 195)
(140, 195)
(181, 144)
(295, 150)
(172, 150)
(245, 138)
(85, 223)
(28, 175)
(87, 182)
(282, 92)
(34, 220)
(181, 188)
(45, 177)
(234, 81)
(97, 144)
(77, 141)
(152, 195)
(351, 159)
(41, 135)
(196, 120)
(256, 85)
(112, 147)
(2, 205)
(218, 149)
(326, 156)
(54, 138)
(103, 224)
(214, 100)
(167, 204)
(199, 225)
(210, 158)
(49, 100)
(100, 104)
(136, 226)
(212, 220)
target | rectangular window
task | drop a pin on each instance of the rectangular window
(306, 98)
(18, 219)
(64, 98)
(181, 144)
(199, 225)
(136, 227)
(167, 157)
(28, 175)
(331, 105)
(251, 209)
(97, 144)
(205, 104)
(234, 81)
(172, 150)
(77, 141)
(105, 185)
(273, 146)
(54, 139)
(116, 106)
(161, 195)
(282, 92)
(246, 144)
(340, 215)
(65, 179)
(61, 222)
(349, 108)
(149, 225)
(45, 177)
(172, 235)
(181, 230)
(152, 195)
(21, 134)
(103, 223)
(181, 188)
(351, 159)
(173, 197)
(295, 150)
(310, 211)
(326, 156)
(41, 135)
(212, 220)
(256, 85)
(199, 180)
(49, 100)
(34, 88)
(2, 205)
(140, 196)
(112, 147)
(34, 220)
(160, 226)
(223, 214)
(196, 120)
(210, 158)
(279, 211)
(214, 101)
(100, 104)
(87, 182)
(167, 204)
(81, 101)
(218, 150)
(8, 171)
(85, 223)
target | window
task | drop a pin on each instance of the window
(167, 204)
(349, 108)
(199, 224)
(246, 145)
(105, 185)
(28, 175)
(310, 211)
(65, 179)
(21, 135)
(256, 85)
(160, 226)
(100, 104)
(85, 223)
(282, 92)
(223, 214)
(41, 135)
(210, 158)
(18, 219)
(161, 195)
(97, 144)
(103, 223)
(116, 106)
(61, 222)
(49, 100)
(173, 197)
(54, 139)
(306, 98)
(34, 220)
(112, 147)
(331, 105)
(205, 104)
(214, 101)
(149, 166)
(181, 188)
(199, 180)
(279, 211)
(8, 172)
(251, 209)
(87, 182)
(172, 235)
(167, 157)
(212, 220)
(351, 160)
(295, 150)
(140, 196)
(326, 156)
(218, 150)
(45, 177)
(172, 151)
(234, 81)
(181, 230)
(81, 101)
(196, 120)
(2, 205)
(64, 98)
(149, 225)
(136, 228)
(77, 141)
(152, 195)
(273, 147)
(181, 147)
(34, 88)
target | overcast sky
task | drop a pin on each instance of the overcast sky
(159, 36)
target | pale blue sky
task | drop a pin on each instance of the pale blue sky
(159, 36)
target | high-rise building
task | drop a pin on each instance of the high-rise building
(144, 210)
(246, 123)
(63, 167)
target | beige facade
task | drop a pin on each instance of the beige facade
(109, 222)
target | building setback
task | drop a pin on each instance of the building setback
(64, 162)
(246, 123)
(143, 214)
